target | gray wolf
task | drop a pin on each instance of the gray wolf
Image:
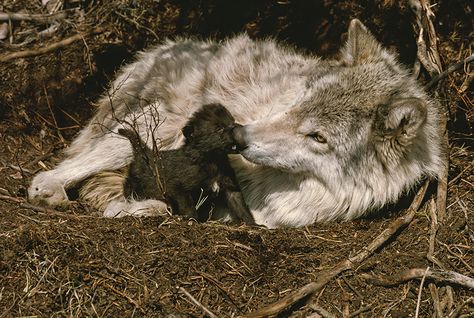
(324, 139)
(198, 169)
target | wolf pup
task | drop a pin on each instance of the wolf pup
(322, 139)
(200, 168)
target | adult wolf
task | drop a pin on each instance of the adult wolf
(322, 140)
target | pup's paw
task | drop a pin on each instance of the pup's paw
(47, 189)
(121, 208)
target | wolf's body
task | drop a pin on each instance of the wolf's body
(326, 140)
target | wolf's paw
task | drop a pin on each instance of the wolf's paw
(47, 189)
(121, 208)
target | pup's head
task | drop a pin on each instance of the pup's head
(210, 128)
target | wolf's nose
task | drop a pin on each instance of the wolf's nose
(239, 136)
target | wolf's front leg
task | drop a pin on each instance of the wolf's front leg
(121, 207)
(108, 152)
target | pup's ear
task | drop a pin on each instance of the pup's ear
(361, 46)
(188, 131)
(399, 122)
(128, 133)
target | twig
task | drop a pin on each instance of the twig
(326, 276)
(10, 32)
(429, 58)
(321, 311)
(197, 303)
(344, 278)
(219, 286)
(9, 198)
(418, 302)
(449, 70)
(460, 175)
(52, 115)
(20, 169)
(434, 229)
(47, 155)
(459, 257)
(427, 54)
(25, 205)
(359, 311)
(44, 34)
(44, 18)
(436, 304)
(457, 311)
(395, 303)
(138, 25)
(49, 48)
(437, 275)
(36, 208)
(130, 300)
(447, 302)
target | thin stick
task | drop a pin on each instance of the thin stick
(321, 311)
(9, 198)
(44, 18)
(429, 58)
(219, 286)
(326, 276)
(433, 230)
(138, 25)
(449, 70)
(436, 304)
(25, 205)
(47, 49)
(130, 299)
(359, 311)
(418, 302)
(52, 115)
(457, 311)
(196, 302)
(437, 275)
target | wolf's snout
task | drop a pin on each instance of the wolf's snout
(239, 136)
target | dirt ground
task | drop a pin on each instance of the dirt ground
(73, 263)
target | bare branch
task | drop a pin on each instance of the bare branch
(418, 302)
(437, 275)
(43, 18)
(197, 303)
(49, 48)
(326, 276)
(428, 55)
(449, 70)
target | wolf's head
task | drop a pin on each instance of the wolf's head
(210, 128)
(365, 129)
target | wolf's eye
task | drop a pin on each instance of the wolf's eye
(317, 137)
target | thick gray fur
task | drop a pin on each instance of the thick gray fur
(325, 140)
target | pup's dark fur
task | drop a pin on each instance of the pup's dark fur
(200, 168)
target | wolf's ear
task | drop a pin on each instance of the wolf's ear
(188, 131)
(361, 46)
(400, 120)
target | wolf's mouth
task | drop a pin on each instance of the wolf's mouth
(234, 149)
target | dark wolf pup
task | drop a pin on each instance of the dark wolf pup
(200, 168)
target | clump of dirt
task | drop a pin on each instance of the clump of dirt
(74, 263)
